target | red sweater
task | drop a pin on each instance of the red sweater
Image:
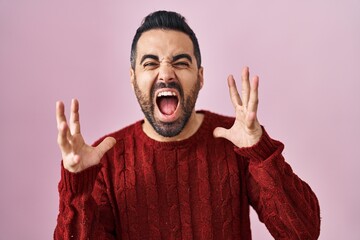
(198, 188)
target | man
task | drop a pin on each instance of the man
(179, 173)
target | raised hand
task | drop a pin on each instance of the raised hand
(76, 154)
(246, 130)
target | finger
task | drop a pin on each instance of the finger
(60, 115)
(74, 117)
(63, 130)
(254, 96)
(245, 86)
(105, 146)
(234, 93)
(63, 138)
(251, 120)
(221, 132)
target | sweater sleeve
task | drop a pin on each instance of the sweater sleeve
(285, 203)
(84, 212)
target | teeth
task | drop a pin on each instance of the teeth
(166, 94)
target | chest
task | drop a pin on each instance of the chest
(179, 191)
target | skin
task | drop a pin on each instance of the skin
(165, 45)
(166, 56)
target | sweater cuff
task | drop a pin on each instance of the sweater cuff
(81, 182)
(262, 150)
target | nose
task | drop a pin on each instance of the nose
(166, 72)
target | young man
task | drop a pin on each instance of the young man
(179, 173)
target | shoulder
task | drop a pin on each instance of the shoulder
(113, 158)
(217, 120)
(122, 134)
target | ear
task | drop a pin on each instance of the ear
(201, 76)
(132, 77)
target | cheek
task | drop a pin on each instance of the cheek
(188, 82)
(145, 82)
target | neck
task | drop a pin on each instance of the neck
(190, 128)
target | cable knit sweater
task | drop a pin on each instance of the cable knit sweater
(198, 188)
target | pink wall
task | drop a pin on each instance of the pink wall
(307, 56)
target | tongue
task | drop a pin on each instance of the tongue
(167, 105)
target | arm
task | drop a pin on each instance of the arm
(81, 216)
(284, 203)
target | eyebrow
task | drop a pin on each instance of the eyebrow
(152, 56)
(183, 55)
(175, 58)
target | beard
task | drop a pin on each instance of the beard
(187, 105)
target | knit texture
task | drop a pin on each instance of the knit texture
(198, 188)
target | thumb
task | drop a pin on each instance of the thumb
(106, 145)
(220, 132)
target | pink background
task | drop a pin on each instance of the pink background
(307, 56)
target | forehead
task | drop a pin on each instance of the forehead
(164, 43)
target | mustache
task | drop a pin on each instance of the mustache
(160, 85)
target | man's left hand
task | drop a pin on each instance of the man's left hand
(246, 130)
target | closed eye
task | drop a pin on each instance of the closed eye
(150, 65)
(181, 64)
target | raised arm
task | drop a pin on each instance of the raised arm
(81, 216)
(284, 202)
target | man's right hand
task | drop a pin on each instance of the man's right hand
(76, 154)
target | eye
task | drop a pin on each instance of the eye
(181, 64)
(150, 65)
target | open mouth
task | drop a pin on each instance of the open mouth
(167, 102)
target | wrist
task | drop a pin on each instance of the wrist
(80, 182)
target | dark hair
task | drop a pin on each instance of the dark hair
(168, 21)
